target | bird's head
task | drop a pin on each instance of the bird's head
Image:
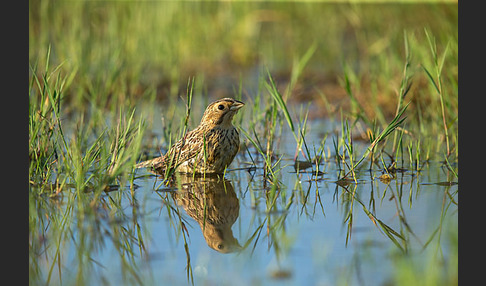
(221, 112)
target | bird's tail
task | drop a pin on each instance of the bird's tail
(149, 163)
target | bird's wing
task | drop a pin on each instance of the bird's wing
(183, 150)
(150, 163)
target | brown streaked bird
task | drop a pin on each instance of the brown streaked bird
(209, 148)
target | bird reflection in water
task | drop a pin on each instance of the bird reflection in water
(212, 202)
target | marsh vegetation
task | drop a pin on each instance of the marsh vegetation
(347, 170)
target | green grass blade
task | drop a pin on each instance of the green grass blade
(272, 89)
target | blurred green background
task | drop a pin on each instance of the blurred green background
(124, 50)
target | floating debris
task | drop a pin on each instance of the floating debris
(447, 184)
(386, 178)
(280, 274)
(302, 165)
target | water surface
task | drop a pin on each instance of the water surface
(242, 229)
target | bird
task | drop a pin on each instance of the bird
(209, 148)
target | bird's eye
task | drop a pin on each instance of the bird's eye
(220, 107)
(220, 246)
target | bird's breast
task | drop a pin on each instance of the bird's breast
(216, 151)
(222, 146)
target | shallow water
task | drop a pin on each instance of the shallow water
(240, 231)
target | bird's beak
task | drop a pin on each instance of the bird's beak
(237, 105)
